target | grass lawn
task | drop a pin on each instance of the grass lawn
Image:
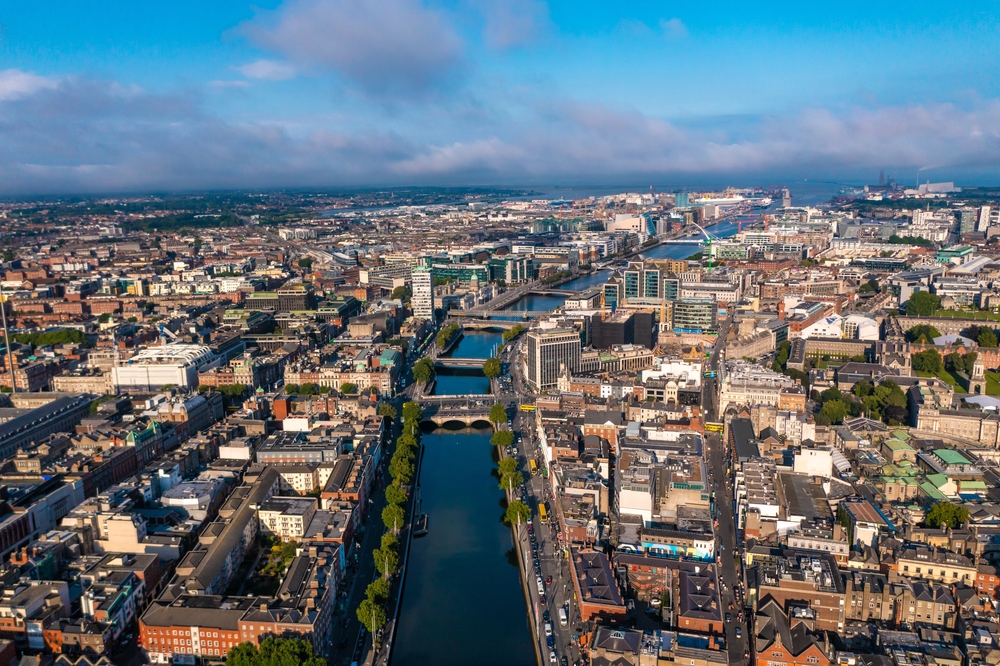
(955, 314)
(993, 383)
(952, 380)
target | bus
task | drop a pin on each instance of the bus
(542, 515)
(533, 467)
(527, 408)
(714, 427)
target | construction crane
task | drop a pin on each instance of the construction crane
(709, 249)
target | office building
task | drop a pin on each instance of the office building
(423, 293)
(549, 352)
(695, 314)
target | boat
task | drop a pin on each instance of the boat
(420, 526)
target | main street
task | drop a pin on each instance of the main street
(727, 547)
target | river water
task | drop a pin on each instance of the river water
(454, 381)
(463, 602)
(587, 281)
(685, 250)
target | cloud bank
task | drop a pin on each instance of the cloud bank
(384, 48)
(83, 135)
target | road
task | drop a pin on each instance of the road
(722, 483)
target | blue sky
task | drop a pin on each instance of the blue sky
(127, 96)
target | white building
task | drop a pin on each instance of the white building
(423, 293)
(814, 462)
(175, 364)
(827, 327)
(859, 327)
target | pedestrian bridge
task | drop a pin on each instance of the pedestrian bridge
(451, 362)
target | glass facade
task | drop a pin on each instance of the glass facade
(548, 353)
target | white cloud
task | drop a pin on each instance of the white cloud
(80, 135)
(272, 70)
(673, 28)
(392, 48)
(14, 84)
(513, 23)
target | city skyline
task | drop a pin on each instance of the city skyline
(309, 93)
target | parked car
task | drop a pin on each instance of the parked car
(552, 657)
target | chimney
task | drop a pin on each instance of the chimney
(263, 608)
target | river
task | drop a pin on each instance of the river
(474, 344)
(587, 281)
(685, 250)
(463, 602)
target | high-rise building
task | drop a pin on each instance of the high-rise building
(695, 314)
(423, 293)
(549, 352)
(966, 220)
(681, 199)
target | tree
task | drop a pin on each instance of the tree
(507, 466)
(835, 410)
(309, 389)
(394, 494)
(510, 481)
(492, 368)
(378, 591)
(498, 413)
(863, 389)
(512, 333)
(423, 370)
(895, 415)
(386, 561)
(389, 540)
(104, 318)
(946, 514)
(291, 389)
(401, 470)
(348, 388)
(412, 411)
(923, 333)
(372, 615)
(987, 338)
(305, 262)
(928, 360)
(385, 409)
(274, 652)
(517, 513)
(399, 293)
(393, 517)
(832, 393)
(407, 440)
(502, 438)
(923, 303)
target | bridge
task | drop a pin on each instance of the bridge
(450, 362)
(520, 314)
(441, 415)
(467, 322)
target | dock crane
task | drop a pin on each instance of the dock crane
(709, 249)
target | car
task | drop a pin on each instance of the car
(343, 641)
(546, 616)
(739, 633)
(563, 661)
(729, 618)
(552, 657)
(550, 641)
(541, 599)
(548, 580)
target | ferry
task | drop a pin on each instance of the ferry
(420, 526)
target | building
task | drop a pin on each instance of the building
(176, 364)
(550, 353)
(286, 517)
(695, 314)
(422, 300)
